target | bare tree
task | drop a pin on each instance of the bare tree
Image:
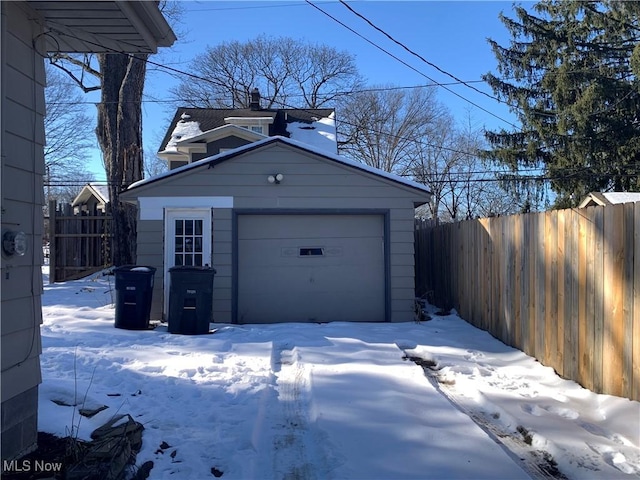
(286, 71)
(119, 131)
(382, 127)
(69, 137)
(463, 185)
(154, 165)
(121, 79)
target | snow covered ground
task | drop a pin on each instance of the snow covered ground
(438, 399)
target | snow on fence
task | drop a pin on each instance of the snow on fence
(79, 242)
(562, 286)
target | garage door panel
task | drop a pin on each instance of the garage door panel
(342, 279)
(278, 227)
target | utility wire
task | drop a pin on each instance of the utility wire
(299, 95)
(411, 67)
(281, 103)
(586, 169)
(459, 81)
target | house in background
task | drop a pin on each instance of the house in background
(609, 198)
(196, 133)
(30, 29)
(295, 233)
(91, 198)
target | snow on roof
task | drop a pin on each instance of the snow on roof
(609, 198)
(184, 129)
(321, 133)
(305, 146)
(622, 197)
(101, 192)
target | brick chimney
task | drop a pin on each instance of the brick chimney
(255, 100)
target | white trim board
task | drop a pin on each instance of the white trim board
(152, 208)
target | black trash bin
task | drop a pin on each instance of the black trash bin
(134, 288)
(190, 299)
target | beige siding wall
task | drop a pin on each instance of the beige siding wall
(22, 100)
(22, 199)
(310, 182)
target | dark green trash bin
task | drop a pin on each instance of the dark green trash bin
(190, 299)
(134, 288)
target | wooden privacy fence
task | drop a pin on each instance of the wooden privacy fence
(562, 286)
(79, 242)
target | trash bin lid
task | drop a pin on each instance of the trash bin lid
(134, 268)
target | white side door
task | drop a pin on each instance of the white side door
(187, 241)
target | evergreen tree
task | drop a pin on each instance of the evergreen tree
(567, 75)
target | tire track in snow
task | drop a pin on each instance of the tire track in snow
(536, 463)
(298, 450)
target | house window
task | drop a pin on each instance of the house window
(256, 128)
(189, 242)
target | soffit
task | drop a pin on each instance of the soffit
(103, 26)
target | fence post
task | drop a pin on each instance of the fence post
(52, 240)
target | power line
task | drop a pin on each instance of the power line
(364, 90)
(459, 81)
(586, 169)
(281, 103)
(411, 67)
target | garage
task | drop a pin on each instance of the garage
(311, 267)
(295, 234)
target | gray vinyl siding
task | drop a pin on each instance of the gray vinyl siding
(310, 182)
(22, 98)
(150, 247)
(213, 148)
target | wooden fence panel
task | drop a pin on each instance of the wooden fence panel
(635, 314)
(79, 242)
(563, 286)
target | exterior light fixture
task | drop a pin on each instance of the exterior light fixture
(277, 178)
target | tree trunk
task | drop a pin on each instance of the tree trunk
(119, 134)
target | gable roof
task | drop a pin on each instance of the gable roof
(191, 141)
(101, 193)
(210, 162)
(195, 121)
(609, 198)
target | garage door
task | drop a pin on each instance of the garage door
(311, 268)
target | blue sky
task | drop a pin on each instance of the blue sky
(450, 34)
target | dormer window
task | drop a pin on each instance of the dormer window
(255, 124)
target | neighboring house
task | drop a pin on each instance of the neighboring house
(197, 133)
(91, 198)
(296, 234)
(609, 198)
(30, 29)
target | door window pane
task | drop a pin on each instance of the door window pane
(189, 242)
